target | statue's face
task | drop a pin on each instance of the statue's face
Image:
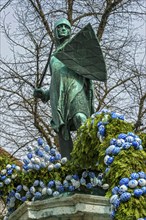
(63, 31)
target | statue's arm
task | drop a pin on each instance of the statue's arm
(44, 95)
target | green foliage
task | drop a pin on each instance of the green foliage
(143, 138)
(88, 151)
(132, 210)
(88, 154)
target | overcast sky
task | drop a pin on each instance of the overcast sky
(5, 52)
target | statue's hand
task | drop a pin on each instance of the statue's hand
(38, 93)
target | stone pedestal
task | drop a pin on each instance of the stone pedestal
(74, 207)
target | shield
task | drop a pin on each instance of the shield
(83, 55)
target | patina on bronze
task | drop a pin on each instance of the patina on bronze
(71, 89)
(83, 55)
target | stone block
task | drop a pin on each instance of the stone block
(73, 207)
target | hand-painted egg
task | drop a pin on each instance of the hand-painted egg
(64, 160)
(37, 160)
(7, 181)
(60, 188)
(113, 198)
(138, 140)
(144, 190)
(32, 189)
(68, 177)
(57, 183)
(125, 197)
(8, 166)
(50, 167)
(40, 141)
(14, 176)
(126, 145)
(119, 142)
(44, 191)
(99, 123)
(76, 184)
(124, 181)
(140, 147)
(99, 182)
(71, 188)
(89, 186)
(43, 164)
(84, 174)
(107, 170)
(75, 177)
(52, 159)
(53, 151)
(28, 195)
(3, 172)
(56, 194)
(65, 183)
(23, 199)
(109, 149)
(122, 189)
(122, 136)
(36, 167)
(36, 183)
(91, 174)
(105, 186)
(37, 195)
(133, 183)
(47, 148)
(29, 155)
(25, 188)
(113, 214)
(129, 139)
(115, 190)
(41, 183)
(138, 192)
(142, 182)
(57, 166)
(134, 176)
(113, 141)
(116, 151)
(40, 153)
(108, 160)
(49, 191)
(131, 134)
(17, 195)
(135, 144)
(3, 177)
(100, 176)
(116, 203)
(19, 188)
(58, 156)
(94, 181)
(101, 130)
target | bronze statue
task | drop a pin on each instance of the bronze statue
(70, 93)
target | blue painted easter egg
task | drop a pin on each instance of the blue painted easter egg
(40, 141)
(134, 176)
(115, 190)
(138, 192)
(125, 196)
(133, 183)
(124, 181)
(116, 151)
(142, 182)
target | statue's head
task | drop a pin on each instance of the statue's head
(62, 29)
